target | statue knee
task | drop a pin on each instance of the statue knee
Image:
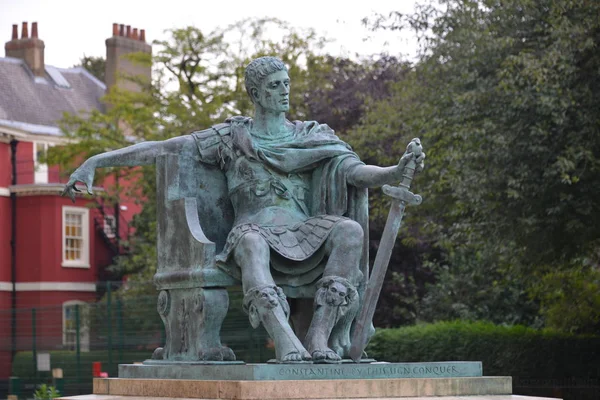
(349, 232)
(253, 242)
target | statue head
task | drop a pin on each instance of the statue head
(267, 83)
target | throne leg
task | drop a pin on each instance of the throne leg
(193, 319)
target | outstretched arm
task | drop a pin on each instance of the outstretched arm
(144, 153)
(373, 176)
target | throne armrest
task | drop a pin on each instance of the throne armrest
(186, 257)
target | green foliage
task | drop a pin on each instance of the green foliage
(504, 350)
(23, 364)
(502, 100)
(516, 351)
(45, 392)
(94, 65)
(474, 283)
(207, 70)
(571, 299)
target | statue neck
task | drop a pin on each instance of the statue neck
(267, 123)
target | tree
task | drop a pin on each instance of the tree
(346, 87)
(503, 98)
(95, 66)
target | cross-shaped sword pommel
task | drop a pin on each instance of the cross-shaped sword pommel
(402, 191)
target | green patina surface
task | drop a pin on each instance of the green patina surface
(199, 371)
(279, 207)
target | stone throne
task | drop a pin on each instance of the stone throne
(194, 217)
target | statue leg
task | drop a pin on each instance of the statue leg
(336, 301)
(265, 302)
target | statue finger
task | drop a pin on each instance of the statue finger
(88, 184)
(405, 159)
(68, 191)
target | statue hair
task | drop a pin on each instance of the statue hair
(259, 69)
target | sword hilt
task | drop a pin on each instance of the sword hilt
(402, 194)
(409, 170)
(402, 191)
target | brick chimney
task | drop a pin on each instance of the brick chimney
(29, 49)
(125, 41)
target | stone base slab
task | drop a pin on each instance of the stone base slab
(485, 397)
(309, 371)
(298, 389)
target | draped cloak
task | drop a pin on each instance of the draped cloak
(310, 149)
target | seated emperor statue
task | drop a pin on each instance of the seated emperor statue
(289, 184)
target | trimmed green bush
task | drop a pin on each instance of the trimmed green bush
(23, 366)
(552, 359)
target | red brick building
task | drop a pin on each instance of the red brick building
(52, 252)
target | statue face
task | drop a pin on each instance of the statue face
(274, 92)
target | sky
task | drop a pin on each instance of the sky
(72, 28)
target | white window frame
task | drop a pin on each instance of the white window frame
(84, 328)
(40, 174)
(84, 262)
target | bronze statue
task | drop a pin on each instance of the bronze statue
(296, 191)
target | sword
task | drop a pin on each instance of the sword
(401, 197)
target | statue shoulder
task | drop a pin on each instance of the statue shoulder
(313, 127)
(210, 142)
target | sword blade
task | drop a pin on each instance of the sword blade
(361, 331)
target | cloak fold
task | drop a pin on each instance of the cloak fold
(310, 147)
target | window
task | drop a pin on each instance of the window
(76, 237)
(110, 225)
(40, 150)
(76, 318)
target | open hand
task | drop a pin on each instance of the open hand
(83, 174)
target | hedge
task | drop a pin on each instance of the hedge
(74, 383)
(554, 362)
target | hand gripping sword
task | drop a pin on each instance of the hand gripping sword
(401, 197)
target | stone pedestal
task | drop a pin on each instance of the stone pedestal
(295, 389)
(384, 381)
(274, 372)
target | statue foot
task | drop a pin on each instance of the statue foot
(295, 357)
(293, 351)
(326, 356)
(267, 304)
(227, 353)
(342, 348)
(222, 353)
(158, 354)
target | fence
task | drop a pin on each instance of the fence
(123, 327)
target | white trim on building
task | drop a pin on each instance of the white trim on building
(30, 189)
(54, 286)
